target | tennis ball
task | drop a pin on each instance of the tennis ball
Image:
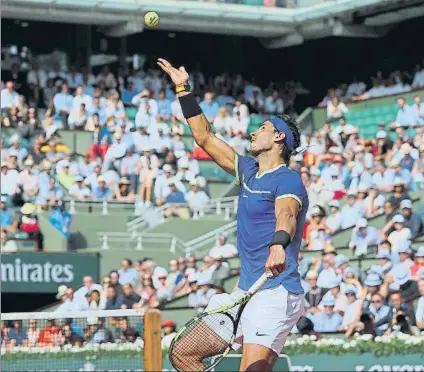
(151, 19)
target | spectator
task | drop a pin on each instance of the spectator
(400, 233)
(413, 221)
(123, 192)
(196, 199)
(419, 262)
(353, 309)
(174, 200)
(7, 245)
(49, 334)
(335, 110)
(28, 223)
(221, 272)
(169, 332)
(335, 293)
(352, 211)
(9, 97)
(315, 294)
(127, 273)
(33, 333)
(334, 220)
(223, 249)
(129, 334)
(88, 286)
(95, 301)
(408, 289)
(147, 294)
(114, 301)
(79, 191)
(163, 292)
(102, 192)
(130, 297)
(363, 237)
(18, 335)
(327, 320)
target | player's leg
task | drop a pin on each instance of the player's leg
(257, 358)
(189, 354)
(266, 323)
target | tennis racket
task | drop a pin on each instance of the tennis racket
(205, 340)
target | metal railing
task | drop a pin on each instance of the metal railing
(104, 207)
(170, 241)
(150, 218)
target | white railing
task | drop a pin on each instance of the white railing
(105, 207)
(171, 241)
(227, 206)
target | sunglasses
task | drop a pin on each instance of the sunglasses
(376, 302)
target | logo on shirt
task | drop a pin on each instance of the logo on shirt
(261, 334)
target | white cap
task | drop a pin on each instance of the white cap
(362, 222)
(79, 178)
(193, 182)
(362, 188)
(29, 163)
(167, 168)
(334, 203)
(405, 204)
(398, 219)
(315, 172)
(61, 291)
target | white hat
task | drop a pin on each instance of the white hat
(79, 178)
(315, 172)
(167, 168)
(362, 188)
(193, 182)
(184, 164)
(420, 252)
(406, 204)
(171, 181)
(350, 288)
(394, 163)
(61, 291)
(28, 209)
(47, 165)
(117, 135)
(3, 198)
(399, 181)
(401, 275)
(398, 219)
(66, 164)
(334, 203)
(29, 163)
(362, 222)
(92, 320)
(101, 179)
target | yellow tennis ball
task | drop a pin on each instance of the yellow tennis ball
(151, 19)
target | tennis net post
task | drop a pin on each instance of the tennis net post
(152, 341)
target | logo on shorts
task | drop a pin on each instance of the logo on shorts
(261, 334)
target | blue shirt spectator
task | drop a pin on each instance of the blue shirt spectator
(405, 116)
(63, 101)
(176, 196)
(61, 220)
(327, 320)
(102, 192)
(129, 93)
(164, 106)
(17, 333)
(6, 216)
(209, 107)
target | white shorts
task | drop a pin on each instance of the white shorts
(267, 318)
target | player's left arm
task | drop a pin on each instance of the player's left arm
(287, 208)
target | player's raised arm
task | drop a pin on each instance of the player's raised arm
(199, 125)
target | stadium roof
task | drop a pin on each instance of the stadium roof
(276, 27)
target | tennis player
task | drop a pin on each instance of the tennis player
(270, 220)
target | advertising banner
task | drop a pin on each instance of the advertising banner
(36, 272)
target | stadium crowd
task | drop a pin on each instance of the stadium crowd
(350, 181)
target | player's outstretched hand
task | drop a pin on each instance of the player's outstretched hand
(178, 76)
(276, 262)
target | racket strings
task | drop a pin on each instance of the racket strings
(203, 343)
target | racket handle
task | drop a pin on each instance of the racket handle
(260, 283)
